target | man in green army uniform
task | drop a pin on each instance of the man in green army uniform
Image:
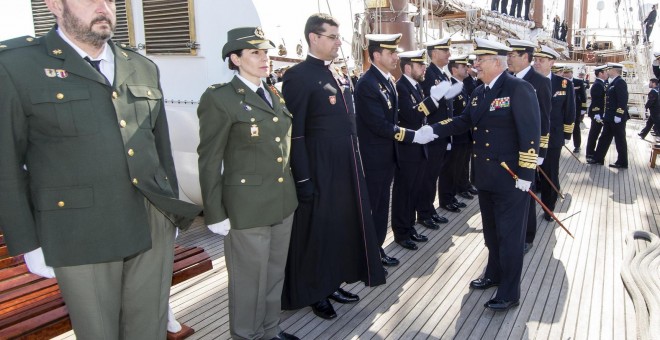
(245, 175)
(87, 174)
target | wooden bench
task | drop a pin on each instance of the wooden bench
(31, 306)
(655, 151)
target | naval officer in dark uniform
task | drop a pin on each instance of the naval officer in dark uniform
(377, 113)
(614, 120)
(562, 117)
(520, 64)
(87, 176)
(333, 239)
(410, 169)
(596, 109)
(580, 95)
(505, 121)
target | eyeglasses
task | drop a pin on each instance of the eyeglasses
(331, 37)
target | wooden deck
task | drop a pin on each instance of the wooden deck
(571, 288)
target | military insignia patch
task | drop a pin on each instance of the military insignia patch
(560, 93)
(61, 73)
(246, 107)
(499, 103)
(474, 101)
(259, 32)
(57, 52)
(254, 130)
(50, 73)
(240, 90)
(332, 100)
(412, 99)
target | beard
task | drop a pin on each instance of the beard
(85, 33)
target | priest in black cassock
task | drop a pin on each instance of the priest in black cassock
(333, 238)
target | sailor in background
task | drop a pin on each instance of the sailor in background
(520, 64)
(614, 120)
(596, 109)
(377, 106)
(653, 106)
(408, 175)
(562, 117)
(505, 120)
(580, 95)
(333, 239)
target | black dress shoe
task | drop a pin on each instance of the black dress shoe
(386, 272)
(429, 223)
(618, 166)
(343, 296)
(418, 238)
(460, 204)
(528, 247)
(450, 207)
(389, 261)
(323, 309)
(439, 219)
(593, 161)
(473, 190)
(285, 336)
(466, 195)
(408, 244)
(547, 217)
(501, 305)
(483, 283)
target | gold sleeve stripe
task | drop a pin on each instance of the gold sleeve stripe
(527, 165)
(447, 121)
(422, 108)
(400, 135)
(595, 109)
(584, 105)
(568, 128)
(619, 110)
(527, 159)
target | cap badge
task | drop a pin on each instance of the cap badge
(259, 32)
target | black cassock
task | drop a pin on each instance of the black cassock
(333, 239)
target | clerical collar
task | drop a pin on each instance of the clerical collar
(325, 62)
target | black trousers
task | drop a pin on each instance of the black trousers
(426, 197)
(408, 178)
(530, 233)
(577, 136)
(617, 132)
(461, 158)
(515, 5)
(594, 132)
(379, 182)
(504, 218)
(527, 4)
(650, 124)
(446, 188)
(551, 167)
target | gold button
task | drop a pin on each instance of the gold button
(279, 159)
(277, 139)
(252, 119)
(60, 204)
(148, 92)
(532, 142)
(474, 155)
(275, 119)
(487, 145)
(487, 131)
(29, 39)
(131, 152)
(122, 123)
(59, 96)
(474, 142)
(115, 94)
(280, 179)
(243, 180)
(475, 128)
(487, 159)
(135, 181)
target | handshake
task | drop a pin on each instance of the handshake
(424, 135)
(446, 89)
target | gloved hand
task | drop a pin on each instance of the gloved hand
(438, 91)
(523, 184)
(220, 228)
(37, 264)
(583, 112)
(598, 119)
(539, 160)
(424, 135)
(566, 141)
(617, 120)
(305, 190)
(454, 90)
(448, 146)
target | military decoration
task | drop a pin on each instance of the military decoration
(332, 100)
(499, 103)
(563, 83)
(474, 101)
(246, 107)
(61, 73)
(254, 130)
(50, 73)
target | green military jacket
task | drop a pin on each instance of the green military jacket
(79, 156)
(241, 133)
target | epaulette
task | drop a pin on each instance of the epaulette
(217, 86)
(23, 41)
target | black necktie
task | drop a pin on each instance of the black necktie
(260, 92)
(486, 91)
(419, 89)
(96, 64)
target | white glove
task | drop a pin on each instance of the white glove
(539, 160)
(424, 135)
(438, 91)
(454, 90)
(37, 264)
(220, 228)
(566, 141)
(617, 120)
(523, 184)
(448, 146)
(583, 112)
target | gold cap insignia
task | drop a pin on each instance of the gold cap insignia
(57, 52)
(259, 32)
